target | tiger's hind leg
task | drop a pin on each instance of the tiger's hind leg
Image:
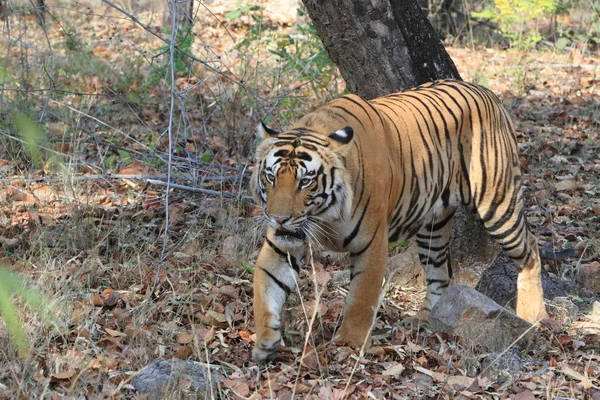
(433, 241)
(505, 222)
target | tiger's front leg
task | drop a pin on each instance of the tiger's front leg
(275, 276)
(367, 270)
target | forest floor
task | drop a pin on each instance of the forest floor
(84, 220)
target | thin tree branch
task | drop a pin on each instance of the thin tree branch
(199, 190)
(172, 94)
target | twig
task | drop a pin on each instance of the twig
(113, 176)
(172, 89)
(195, 189)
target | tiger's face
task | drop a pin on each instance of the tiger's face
(300, 180)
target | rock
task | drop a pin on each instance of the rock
(477, 319)
(589, 276)
(230, 249)
(563, 309)
(405, 268)
(594, 314)
(499, 283)
(471, 248)
(170, 376)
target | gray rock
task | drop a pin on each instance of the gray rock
(563, 309)
(405, 268)
(173, 378)
(477, 319)
(589, 276)
(594, 313)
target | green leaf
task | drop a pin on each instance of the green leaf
(33, 136)
(123, 155)
(402, 244)
(248, 267)
(206, 157)
(110, 161)
(233, 14)
(562, 43)
(11, 284)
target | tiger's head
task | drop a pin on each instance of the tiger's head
(300, 179)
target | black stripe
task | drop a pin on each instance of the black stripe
(349, 113)
(283, 287)
(358, 253)
(354, 232)
(292, 259)
(427, 246)
(353, 274)
(361, 106)
(440, 224)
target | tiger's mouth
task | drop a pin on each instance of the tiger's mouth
(284, 233)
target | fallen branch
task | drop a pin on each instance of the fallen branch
(116, 176)
(200, 190)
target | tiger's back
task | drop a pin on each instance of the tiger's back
(391, 169)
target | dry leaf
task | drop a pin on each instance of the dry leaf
(394, 370)
(240, 387)
(97, 300)
(183, 338)
(114, 333)
(525, 395)
(310, 359)
(213, 318)
(566, 186)
(414, 347)
(461, 380)
(63, 375)
(585, 381)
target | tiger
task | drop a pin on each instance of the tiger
(355, 175)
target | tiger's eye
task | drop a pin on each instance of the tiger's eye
(305, 182)
(270, 177)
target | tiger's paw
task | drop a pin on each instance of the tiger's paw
(352, 338)
(265, 350)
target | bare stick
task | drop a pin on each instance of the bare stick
(195, 189)
(170, 146)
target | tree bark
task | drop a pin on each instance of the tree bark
(388, 46)
(380, 47)
(184, 14)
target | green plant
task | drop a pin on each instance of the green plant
(519, 19)
(591, 35)
(303, 54)
(183, 43)
(11, 284)
(33, 138)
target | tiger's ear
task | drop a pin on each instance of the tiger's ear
(341, 139)
(263, 131)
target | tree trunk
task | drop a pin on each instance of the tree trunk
(184, 14)
(380, 47)
(388, 46)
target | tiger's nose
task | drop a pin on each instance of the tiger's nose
(280, 220)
